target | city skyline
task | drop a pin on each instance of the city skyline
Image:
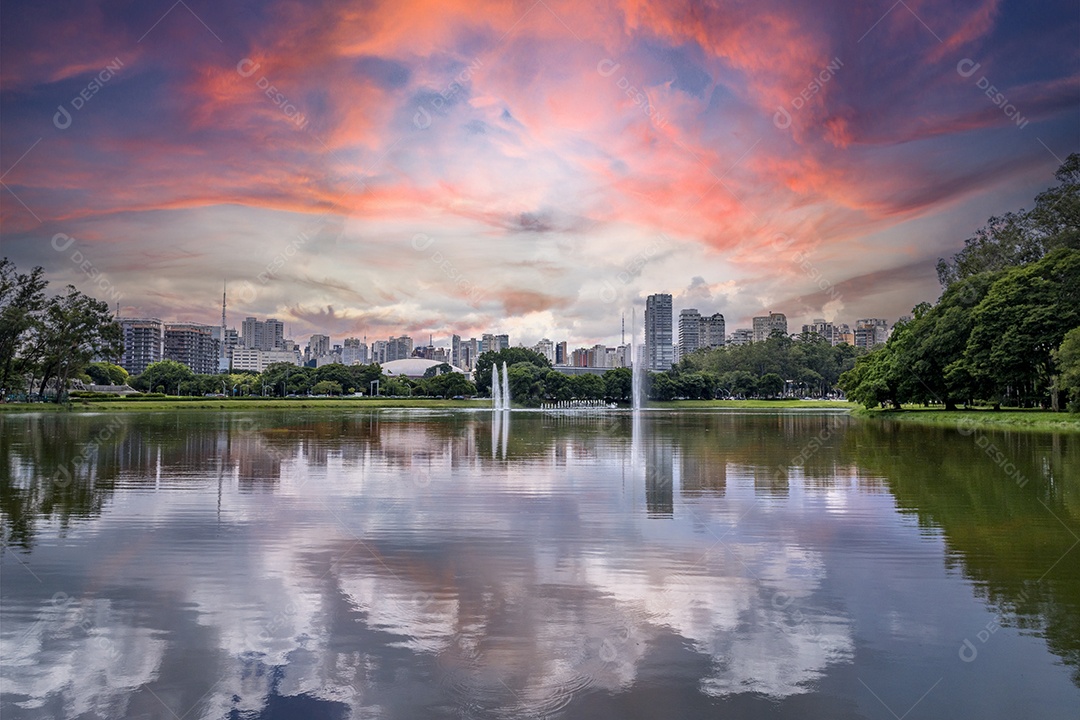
(639, 332)
(538, 167)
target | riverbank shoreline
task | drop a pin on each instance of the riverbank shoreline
(969, 420)
(964, 420)
(197, 403)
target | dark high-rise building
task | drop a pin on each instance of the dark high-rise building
(144, 343)
(194, 345)
(659, 351)
(561, 357)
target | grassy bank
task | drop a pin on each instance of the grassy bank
(755, 404)
(156, 404)
(979, 418)
(194, 403)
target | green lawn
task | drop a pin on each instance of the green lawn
(176, 403)
(255, 403)
(756, 404)
(982, 417)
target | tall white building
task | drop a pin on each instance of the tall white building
(659, 351)
(546, 348)
(689, 332)
(766, 324)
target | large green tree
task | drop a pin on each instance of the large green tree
(167, 376)
(1020, 323)
(1067, 357)
(1025, 236)
(510, 356)
(74, 329)
(22, 298)
(106, 373)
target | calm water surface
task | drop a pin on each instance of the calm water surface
(409, 564)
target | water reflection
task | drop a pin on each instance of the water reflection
(437, 564)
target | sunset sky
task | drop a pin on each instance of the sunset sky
(535, 168)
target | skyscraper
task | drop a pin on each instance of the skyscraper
(455, 351)
(870, 332)
(399, 348)
(273, 334)
(561, 356)
(318, 345)
(659, 352)
(689, 332)
(193, 345)
(546, 348)
(713, 331)
(765, 324)
(144, 343)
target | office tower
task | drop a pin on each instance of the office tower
(318, 345)
(225, 349)
(830, 331)
(378, 351)
(192, 344)
(546, 348)
(259, 360)
(766, 324)
(251, 332)
(870, 332)
(399, 348)
(659, 352)
(713, 331)
(273, 335)
(455, 350)
(487, 343)
(144, 343)
(470, 351)
(502, 342)
(354, 352)
(689, 332)
(560, 353)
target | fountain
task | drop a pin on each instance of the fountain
(500, 388)
(505, 388)
(637, 364)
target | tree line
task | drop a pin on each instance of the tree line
(285, 379)
(1006, 329)
(45, 342)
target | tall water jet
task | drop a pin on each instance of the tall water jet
(496, 388)
(505, 388)
(637, 367)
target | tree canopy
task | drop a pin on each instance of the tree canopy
(1010, 298)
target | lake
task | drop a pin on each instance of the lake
(460, 564)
